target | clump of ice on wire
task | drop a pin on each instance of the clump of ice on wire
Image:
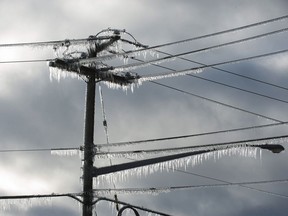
(69, 152)
(139, 81)
(24, 204)
(148, 191)
(175, 164)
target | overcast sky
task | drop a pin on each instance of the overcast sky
(38, 113)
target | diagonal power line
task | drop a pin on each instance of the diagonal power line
(217, 102)
(241, 185)
(223, 84)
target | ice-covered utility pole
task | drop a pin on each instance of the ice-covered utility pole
(91, 75)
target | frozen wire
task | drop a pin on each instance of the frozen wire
(25, 61)
(31, 196)
(243, 186)
(103, 114)
(217, 102)
(189, 135)
(219, 69)
(200, 37)
(239, 143)
(39, 150)
(168, 58)
(219, 83)
(56, 42)
(185, 187)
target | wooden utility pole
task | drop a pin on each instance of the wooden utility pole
(89, 147)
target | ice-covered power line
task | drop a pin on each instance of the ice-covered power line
(263, 143)
(92, 38)
(218, 69)
(220, 83)
(201, 37)
(157, 190)
(242, 186)
(189, 135)
(217, 102)
(169, 58)
(66, 42)
(25, 61)
(71, 149)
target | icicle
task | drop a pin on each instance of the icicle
(240, 149)
(23, 204)
(141, 65)
(150, 191)
(70, 152)
(58, 74)
(177, 163)
(104, 114)
(168, 75)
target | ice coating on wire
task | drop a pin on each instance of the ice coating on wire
(69, 152)
(172, 165)
(24, 204)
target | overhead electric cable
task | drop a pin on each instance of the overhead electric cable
(217, 102)
(227, 182)
(31, 196)
(219, 83)
(203, 36)
(223, 70)
(38, 149)
(190, 135)
(56, 42)
(167, 58)
(65, 42)
(238, 143)
(185, 187)
(147, 140)
(25, 61)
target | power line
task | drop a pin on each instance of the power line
(189, 135)
(244, 143)
(66, 42)
(221, 70)
(91, 38)
(184, 187)
(219, 83)
(25, 61)
(200, 37)
(38, 150)
(223, 181)
(240, 89)
(196, 70)
(31, 196)
(146, 140)
(217, 102)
